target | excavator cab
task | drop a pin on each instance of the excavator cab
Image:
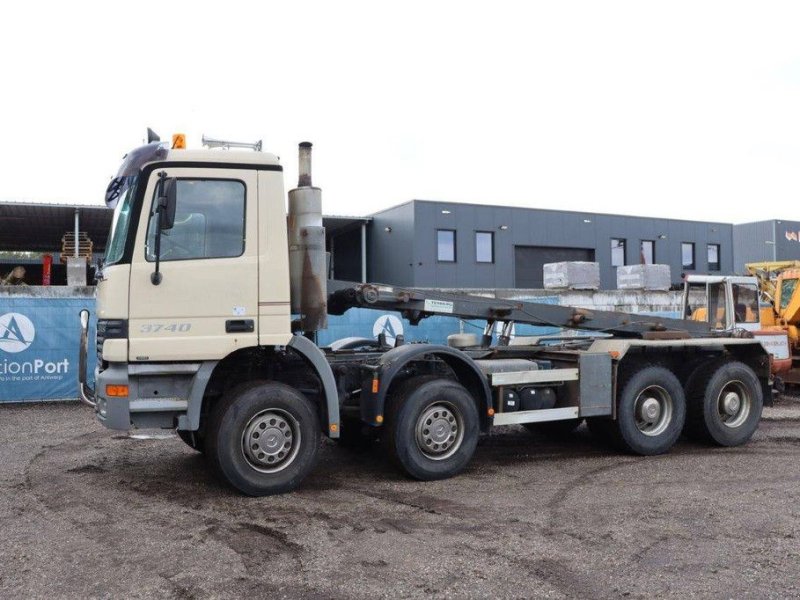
(787, 297)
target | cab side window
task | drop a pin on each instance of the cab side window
(209, 221)
(745, 302)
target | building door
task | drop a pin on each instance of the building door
(529, 262)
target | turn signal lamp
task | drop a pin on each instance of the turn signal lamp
(179, 141)
(117, 391)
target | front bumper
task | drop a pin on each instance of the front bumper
(157, 401)
(112, 412)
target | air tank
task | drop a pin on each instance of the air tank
(307, 257)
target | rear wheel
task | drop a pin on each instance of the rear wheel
(263, 438)
(431, 428)
(725, 403)
(651, 411)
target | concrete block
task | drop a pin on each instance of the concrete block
(644, 277)
(572, 276)
(76, 271)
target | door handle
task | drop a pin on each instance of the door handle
(239, 326)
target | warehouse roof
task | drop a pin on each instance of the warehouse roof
(342, 223)
(36, 227)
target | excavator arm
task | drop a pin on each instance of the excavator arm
(767, 273)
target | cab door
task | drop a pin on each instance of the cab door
(206, 304)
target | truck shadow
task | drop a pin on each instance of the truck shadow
(183, 475)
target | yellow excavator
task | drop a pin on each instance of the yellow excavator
(778, 284)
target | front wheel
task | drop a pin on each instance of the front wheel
(431, 428)
(263, 438)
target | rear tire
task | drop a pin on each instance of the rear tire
(263, 438)
(431, 428)
(725, 404)
(651, 411)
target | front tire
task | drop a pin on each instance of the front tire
(651, 411)
(263, 438)
(431, 428)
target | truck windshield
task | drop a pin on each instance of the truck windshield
(121, 193)
(124, 190)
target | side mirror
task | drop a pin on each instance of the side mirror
(167, 202)
(165, 213)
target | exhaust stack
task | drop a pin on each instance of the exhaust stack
(304, 178)
(307, 257)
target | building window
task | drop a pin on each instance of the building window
(713, 257)
(209, 221)
(445, 245)
(484, 246)
(617, 252)
(647, 252)
(687, 256)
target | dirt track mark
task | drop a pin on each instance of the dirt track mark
(260, 547)
(561, 495)
(429, 504)
(90, 468)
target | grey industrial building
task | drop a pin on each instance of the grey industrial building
(442, 244)
(766, 241)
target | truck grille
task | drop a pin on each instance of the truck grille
(108, 329)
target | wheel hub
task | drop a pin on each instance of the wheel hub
(270, 440)
(731, 403)
(439, 431)
(653, 410)
(650, 410)
(734, 404)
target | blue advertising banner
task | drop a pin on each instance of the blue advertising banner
(39, 340)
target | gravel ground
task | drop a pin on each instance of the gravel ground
(87, 513)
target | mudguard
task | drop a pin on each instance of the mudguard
(391, 364)
(309, 350)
